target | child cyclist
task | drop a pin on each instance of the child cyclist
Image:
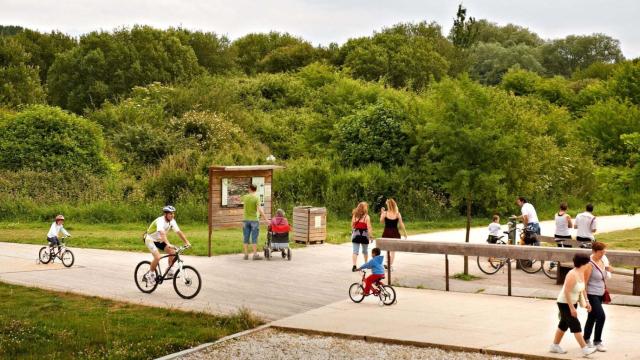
(377, 269)
(56, 228)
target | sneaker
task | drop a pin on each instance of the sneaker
(586, 351)
(354, 268)
(246, 256)
(150, 278)
(556, 349)
(589, 343)
(257, 257)
(600, 347)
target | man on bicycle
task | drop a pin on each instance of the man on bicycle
(529, 218)
(56, 228)
(156, 238)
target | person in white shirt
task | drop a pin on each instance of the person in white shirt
(494, 230)
(156, 238)
(563, 224)
(529, 217)
(586, 225)
(56, 228)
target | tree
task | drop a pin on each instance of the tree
(20, 82)
(508, 35)
(564, 56)
(43, 48)
(288, 58)
(490, 61)
(464, 32)
(213, 51)
(520, 82)
(252, 49)
(44, 138)
(106, 66)
(625, 82)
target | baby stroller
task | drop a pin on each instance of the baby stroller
(277, 240)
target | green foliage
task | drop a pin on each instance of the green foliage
(43, 48)
(626, 82)
(106, 66)
(520, 82)
(507, 35)
(464, 32)
(45, 138)
(564, 56)
(490, 61)
(373, 134)
(212, 51)
(271, 52)
(20, 82)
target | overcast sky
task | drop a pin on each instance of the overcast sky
(323, 22)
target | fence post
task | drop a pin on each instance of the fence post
(509, 277)
(446, 271)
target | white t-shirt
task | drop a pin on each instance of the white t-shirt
(562, 225)
(586, 224)
(55, 229)
(530, 212)
(161, 224)
(494, 229)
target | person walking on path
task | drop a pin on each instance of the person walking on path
(595, 278)
(392, 220)
(251, 222)
(529, 217)
(361, 232)
(586, 225)
(572, 290)
(563, 223)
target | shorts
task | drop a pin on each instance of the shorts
(250, 228)
(356, 248)
(153, 245)
(53, 241)
(566, 320)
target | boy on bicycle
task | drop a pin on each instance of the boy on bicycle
(56, 228)
(156, 238)
(377, 269)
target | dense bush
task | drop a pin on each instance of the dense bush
(43, 138)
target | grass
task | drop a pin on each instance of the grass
(128, 237)
(465, 277)
(621, 240)
(38, 324)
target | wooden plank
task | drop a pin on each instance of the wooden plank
(616, 257)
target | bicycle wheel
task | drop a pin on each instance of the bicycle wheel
(490, 265)
(67, 258)
(530, 266)
(187, 282)
(142, 269)
(44, 255)
(387, 295)
(356, 292)
(550, 268)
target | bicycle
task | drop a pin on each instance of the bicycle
(185, 279)
(386, 293)
(550, 268)
(492, 264)
(47, 253)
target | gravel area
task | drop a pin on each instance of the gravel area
(273, 344)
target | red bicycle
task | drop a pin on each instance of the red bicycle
(385, 293)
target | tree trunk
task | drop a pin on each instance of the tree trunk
(466, 239)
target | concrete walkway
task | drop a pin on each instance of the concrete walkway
(493, 324)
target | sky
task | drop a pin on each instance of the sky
(323, 22)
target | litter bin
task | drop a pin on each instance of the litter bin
(309, 225)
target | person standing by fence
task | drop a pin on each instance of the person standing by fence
(563, 223)
(392, 220)
(529, 218)
(361, 232)
(595, 278)
(586, 225)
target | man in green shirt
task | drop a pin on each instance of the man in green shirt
(251, 222)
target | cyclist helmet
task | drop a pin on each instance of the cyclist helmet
(59, 217)
(169, 208)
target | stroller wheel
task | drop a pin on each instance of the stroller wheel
(284, 254)
(289, 254)
(267, 254)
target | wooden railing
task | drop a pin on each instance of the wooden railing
(544, 253)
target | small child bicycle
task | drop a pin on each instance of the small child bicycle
(385, 293)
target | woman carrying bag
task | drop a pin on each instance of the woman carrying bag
(595, 277)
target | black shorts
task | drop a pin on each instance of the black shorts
(160, 245)
(53, 241)
(566, 320)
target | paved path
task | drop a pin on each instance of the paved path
(495, 324)
(317, 275)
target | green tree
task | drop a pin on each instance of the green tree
(625, 82)
(464, 32)
(213, 51)
(490, 61)
(564, 56)
(520, 82)
(44, 138)
(106, 66)
(43, 48)
(508, 35)
(252, 49)
(20, 82)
